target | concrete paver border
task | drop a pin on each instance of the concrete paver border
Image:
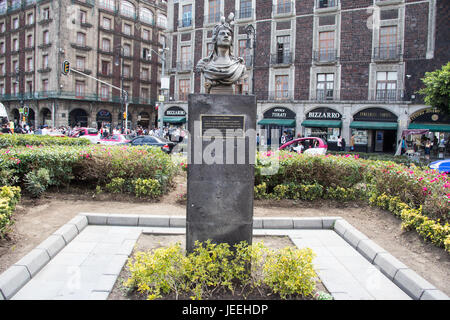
(14, 278)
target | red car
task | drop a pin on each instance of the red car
(308, 145)
(115, 139)
(91, 134)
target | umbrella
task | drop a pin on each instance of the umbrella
(441, 165)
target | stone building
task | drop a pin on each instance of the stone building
(110, 40)
(321, 67)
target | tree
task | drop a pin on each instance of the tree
(437, 88)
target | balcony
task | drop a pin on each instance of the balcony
(324, 4)
(281, 95)
(325, 56)
(185, 23)
(283, 8)
(82, 47)
(387, 53)
(184, 66)
(388, 95)
(281, 59)
(324, 94)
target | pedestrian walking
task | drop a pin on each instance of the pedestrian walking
(339, 143)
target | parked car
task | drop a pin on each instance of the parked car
(307, 145)
(115, 139)
(165, 144)
(91, 134)
(441, 165)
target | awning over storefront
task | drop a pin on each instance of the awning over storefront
(430, 126)
(374, 125)
(322, 123)
(278, 122)
(174, 119)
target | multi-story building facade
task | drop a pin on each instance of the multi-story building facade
(109, 40)
(324, 68)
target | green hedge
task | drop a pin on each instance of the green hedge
(15, 140)
(37, 168)
(9, 197)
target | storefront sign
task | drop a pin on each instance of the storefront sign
(279, 113)
(104, 115)
(323, 114)
(430, 115)
(175, 112)
(375, 114)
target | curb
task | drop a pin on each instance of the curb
(14, 278)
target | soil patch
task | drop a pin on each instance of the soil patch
(36, 220)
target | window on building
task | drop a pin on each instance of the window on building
(29, 41)
(162, 40)
(146, 16)
(45, 85)
(15, 45)
(386, 85)
(106, 23)
(283, 6)
(15, 66)
(127, 29)
(245, 9)
(2, 68)
(144, 74)
(184, 88)
(105, 67)
(79, 88)
(46, 13)
(29, 64)
(187, 16)
(388, 42)
(82, 16)
(81, 39)
(326, 46)
(281, 87)
(145, 93)
(45, 61)
(127, 9)
(30, 18)
(46, 37)
(145, 34)
(213, 11)
(162, 21)
(185, 56)
(16, 23)
(145, 53)
(2, 27)
(30, 86)
(326, 3)
(283, 49)
(104, 91)
(15, 88)
(81, 62)
(126, 71)
(242, 86)
(106, 45)
(107, 4)
(2, 47)
(2, 88)
(127, 50)
(325, 86)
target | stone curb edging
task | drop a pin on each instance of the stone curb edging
(14, 278)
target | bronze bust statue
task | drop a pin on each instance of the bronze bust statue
(221, 68)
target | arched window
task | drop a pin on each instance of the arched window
(162, 21)
(146, 16)
(127, 9)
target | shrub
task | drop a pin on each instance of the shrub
(36, 182)
(116, 185)
(147, 188)
(213, 268)
(15, 140)
(9, 197)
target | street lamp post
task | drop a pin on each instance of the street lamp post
(162, 56)
(250, 29)
(19, 79)
(123, 94)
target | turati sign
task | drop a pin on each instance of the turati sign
(279, 113)
(323, 114)
(175, 112)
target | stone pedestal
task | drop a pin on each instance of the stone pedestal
(221, 155)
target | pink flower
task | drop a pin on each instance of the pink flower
(425, 189)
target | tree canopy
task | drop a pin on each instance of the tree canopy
(437, 88)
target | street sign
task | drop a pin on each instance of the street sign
(20, 110)
(161, 98)
(66, 67)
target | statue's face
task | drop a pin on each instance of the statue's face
(224, 38)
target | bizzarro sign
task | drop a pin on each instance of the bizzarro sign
(279, 113)
(323, 114)
(175, 112)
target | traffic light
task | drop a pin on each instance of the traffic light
(24, 119)
(124, 116)
(66, 67)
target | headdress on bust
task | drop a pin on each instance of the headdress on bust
(223, 25)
